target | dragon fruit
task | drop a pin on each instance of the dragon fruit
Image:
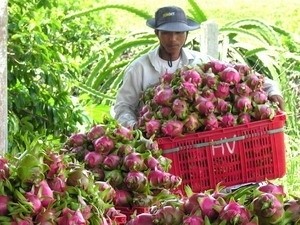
(172, 128)
(191, 75)
(187, 90)
(111, 161)
(241, 89)
(164, 112)
(210, 122)
(204, 106)
(268, 208)
(227, 120)
(222, 90)
(104, 145)
(4, 200)
(234, 213)
(193, 220)
(230, 75)
(164, 96)
(264, 111)
(180, 108)
(192, 123)
(136, 181)
(93, 159)
(243, 104)
(222, 106)
(255, 81)
(95, 132)
(259, 97)
(152, 127)
(4, 170)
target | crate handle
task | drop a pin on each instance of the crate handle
(239, 138)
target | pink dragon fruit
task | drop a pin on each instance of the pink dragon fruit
(172, 128)
(164, 112)
(4, 200)
(234, 213)
(111, 161)
(35, 201)
(264, 111)
(123, 133)
(204, 106)
(93, 159)
(210, 122)
(152, 127)
(168, 215)
(255, 81)
(44, 192)
(230, 76)
(188, 90)
(222, 106)
(77, 139)
(192, 123)
(222, 90)
(58, 184)
(164, 96)
(292, 209)
(216, 66)
(166, 78)
(193, 220)
(95, 132)
(191, 75)
(104, 145)
(242, 68)
(180, 108)
(241, 89)
(259, 97)
(134, 162)
(208, 93)
(70, 216)
(244, 118)
(122, 198)
(268, 208)
(136, 181)
(243, 104)
(107, 191)
(227, 120)
(4, 169)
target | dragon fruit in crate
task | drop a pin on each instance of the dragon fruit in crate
(204, 97)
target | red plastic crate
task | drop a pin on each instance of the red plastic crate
(244, 153)
(132, 210)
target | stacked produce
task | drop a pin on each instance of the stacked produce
(204, 97)
(132, 165)
(48, 188)
(263, 205)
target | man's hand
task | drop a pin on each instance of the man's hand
(278, 100)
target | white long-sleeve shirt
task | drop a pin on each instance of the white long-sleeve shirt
(146, 71)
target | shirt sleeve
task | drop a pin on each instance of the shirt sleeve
(127, 99)
(271, 87)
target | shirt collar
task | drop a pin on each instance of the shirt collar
(186, 56)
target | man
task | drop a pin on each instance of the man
(171, 27)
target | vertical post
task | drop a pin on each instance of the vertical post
(3, 76)
(209, 39)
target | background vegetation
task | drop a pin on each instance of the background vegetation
(66, 59)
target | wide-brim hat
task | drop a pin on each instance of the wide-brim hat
(172, 18)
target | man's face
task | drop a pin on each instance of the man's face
(172, 42)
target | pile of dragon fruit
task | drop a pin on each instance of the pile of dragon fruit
(204, 97)
(131, 165)
(85, 180)
(251, 205)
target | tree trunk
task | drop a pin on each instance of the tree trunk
(3, 76)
